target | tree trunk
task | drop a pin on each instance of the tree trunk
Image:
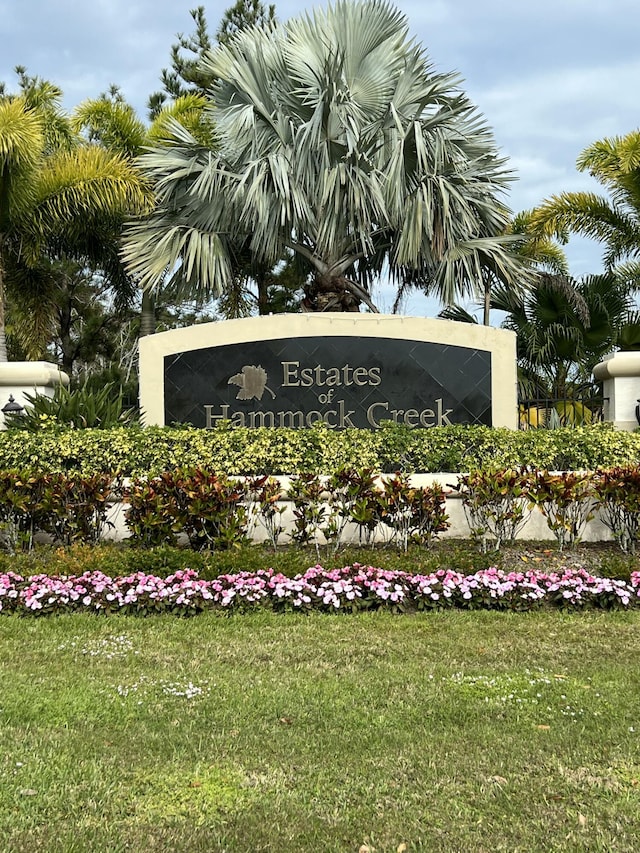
(487, 281)
(486, 314)
(261, 278)
(147, 314)
(67, 346)
(3, 334)
(325, 293)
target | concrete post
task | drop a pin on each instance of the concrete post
(620, 374)
(18, 378)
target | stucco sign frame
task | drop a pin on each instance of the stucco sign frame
(347, 370)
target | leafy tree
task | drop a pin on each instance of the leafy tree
(81, 320)
(185, 76)
(615, 220)
(60, 199)
(241, 16)
(340, 143)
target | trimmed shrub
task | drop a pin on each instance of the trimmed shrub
(205, 507)
(145, 452)
(617, 492)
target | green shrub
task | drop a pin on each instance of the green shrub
(567, 502)
(78, 408)
(312, 511)
(266, 495)
(617, 493)
(144, 452)
(497, 504)
(413, 514)
(21, 509)
(203, 506)
(67, 508)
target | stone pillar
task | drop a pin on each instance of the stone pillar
(620, 374)
(18, 378)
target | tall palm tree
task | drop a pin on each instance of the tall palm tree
(340, 143)
(615, 220)
(59, 197)
(110, 121)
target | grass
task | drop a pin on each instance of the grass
(460, 732)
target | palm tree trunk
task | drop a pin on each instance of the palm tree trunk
(486, 314)
(3, 334)
(147, 314)
(335, 293)
(67, 348)
(262, 282)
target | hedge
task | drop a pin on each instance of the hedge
(233, 451)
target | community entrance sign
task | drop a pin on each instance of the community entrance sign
(344, 370)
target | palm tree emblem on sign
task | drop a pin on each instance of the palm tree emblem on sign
(252, 381)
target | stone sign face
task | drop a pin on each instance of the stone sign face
(344, 370)
(341, 381)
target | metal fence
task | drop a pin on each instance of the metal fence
(546, 413)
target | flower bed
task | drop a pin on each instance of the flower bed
(350, 589)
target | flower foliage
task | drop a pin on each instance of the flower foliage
(346, 590)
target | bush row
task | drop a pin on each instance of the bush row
(150, 451)
(217, 512)
(347, 590)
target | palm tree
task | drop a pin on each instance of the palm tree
(564, 328)
(340, 143)
(613, 221)
(537, 253)
(110, 121)
(59, 199)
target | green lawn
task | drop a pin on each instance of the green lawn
(455, 732)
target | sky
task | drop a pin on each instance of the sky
(550, 76)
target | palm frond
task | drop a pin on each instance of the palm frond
(615, 222)
(78, 196)
(582, 213)
(457, 313)
(113, 123)
(21, 136)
